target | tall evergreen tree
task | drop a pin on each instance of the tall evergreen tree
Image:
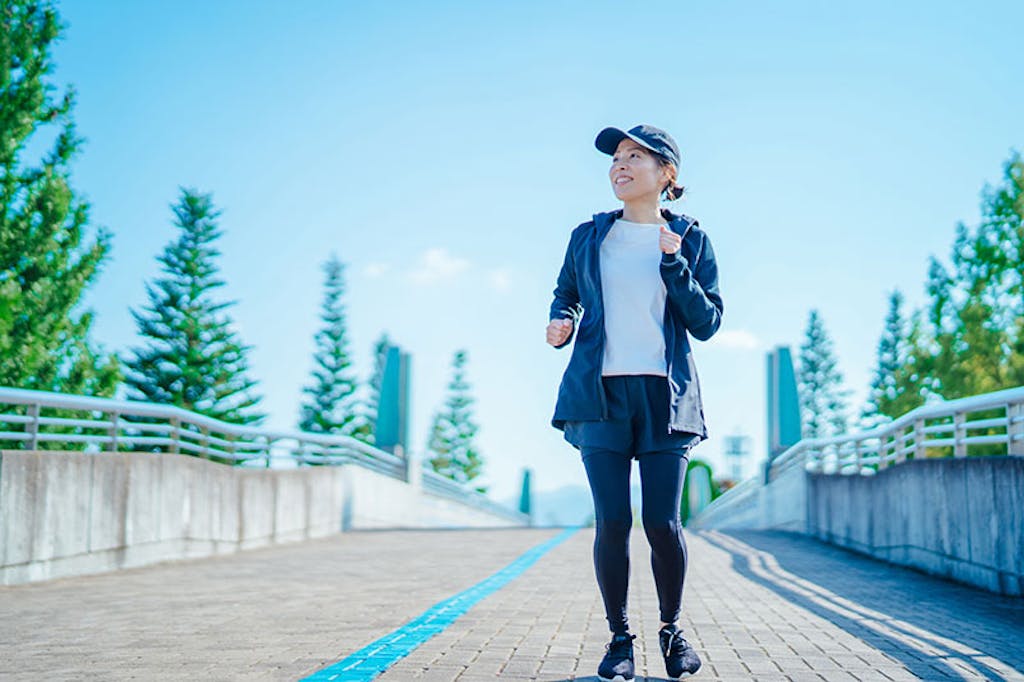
(895, 386)
(46, 264)
(192, 358)
(820, 384)
(376, 383)
(454, 452)
(330, 405)
(976, 311)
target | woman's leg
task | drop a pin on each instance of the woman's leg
(661, 481)
(608, 472)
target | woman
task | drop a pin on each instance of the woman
(647, 280)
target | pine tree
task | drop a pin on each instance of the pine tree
(191, 357)
(331, 405)
(976, 310)
(820, 384)
(911, 384)
(45, 263)
(451, 444)
(895, 386)
(376, 383)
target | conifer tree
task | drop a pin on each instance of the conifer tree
(46, 263)
(895, 386)
(820, 384)
(330, 405)
(191, 357)
(976, 311)
(451, 445)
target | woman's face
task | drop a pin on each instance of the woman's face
(636, 172)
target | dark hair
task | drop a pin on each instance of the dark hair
(671, 192)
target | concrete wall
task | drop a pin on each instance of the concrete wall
(64, 513)
(961, 518)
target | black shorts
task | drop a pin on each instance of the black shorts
(638, 413)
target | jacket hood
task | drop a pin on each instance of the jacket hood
(679, 223)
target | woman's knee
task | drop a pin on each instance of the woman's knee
(614, 526)
(664, 532)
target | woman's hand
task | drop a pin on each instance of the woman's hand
(669, 241)
(559, 331)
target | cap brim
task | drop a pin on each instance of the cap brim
(608, 141)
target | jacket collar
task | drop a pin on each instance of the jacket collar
(677, 222)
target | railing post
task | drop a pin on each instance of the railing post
(919, 449)
(204, 433)
(413, 467)
(112, 431)
(175, 435)
(1015, 429)
(33, 426)
(959, 433)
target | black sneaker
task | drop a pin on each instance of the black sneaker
(617, 664)
(680, 658)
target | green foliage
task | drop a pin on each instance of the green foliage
(897, 385)
(331, 405)
(684, 507)
(976, 309)
(191, 357)
(451, 444)
(820, 384)
(46, 265)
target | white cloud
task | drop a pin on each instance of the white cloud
(436, 265)
(376, 269)
(739, 339)
(500, 279)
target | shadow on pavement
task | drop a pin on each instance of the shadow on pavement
(987, 623)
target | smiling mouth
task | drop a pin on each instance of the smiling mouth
(622, 180)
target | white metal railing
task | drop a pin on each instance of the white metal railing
(104, 424)
(946, 424)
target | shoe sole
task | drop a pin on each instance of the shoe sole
(617, 678)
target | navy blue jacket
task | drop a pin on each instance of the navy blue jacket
(693, 307)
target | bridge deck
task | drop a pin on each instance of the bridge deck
(764, 606)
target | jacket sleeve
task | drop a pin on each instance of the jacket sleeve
(567, 298)
(692, 290)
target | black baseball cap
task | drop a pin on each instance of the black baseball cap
(655, 139)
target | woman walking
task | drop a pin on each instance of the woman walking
(647, 280)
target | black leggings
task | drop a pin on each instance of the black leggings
(661, 483)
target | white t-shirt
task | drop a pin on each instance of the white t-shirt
(634, 300)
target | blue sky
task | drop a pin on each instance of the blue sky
(445, 151)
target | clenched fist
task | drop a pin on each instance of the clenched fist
(669, 241)
(559, 331)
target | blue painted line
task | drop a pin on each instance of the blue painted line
(378, 656)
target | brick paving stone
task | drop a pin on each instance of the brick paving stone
(754, 605)
(757, 606)
(276, 613)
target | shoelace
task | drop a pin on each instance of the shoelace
(676, 643)
(621, 646)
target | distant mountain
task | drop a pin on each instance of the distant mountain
(569, 505)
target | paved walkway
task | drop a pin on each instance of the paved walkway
(764, 606)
